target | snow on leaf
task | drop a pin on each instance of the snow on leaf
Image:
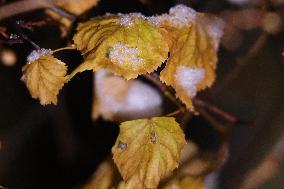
(192, 63)
(179, 16)
(127, 45)
(151, 149)
(44, 76)
(117, 99)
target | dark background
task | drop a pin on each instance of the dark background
(60, 146)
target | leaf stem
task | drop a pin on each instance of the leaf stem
(178, 111)
(154, 78)
(22, 6)
(72, 47)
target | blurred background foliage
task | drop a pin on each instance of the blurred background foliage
(61, 146)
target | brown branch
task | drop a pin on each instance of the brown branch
(214, 123)
(154, 78)
(3, 32)
(22, 6)
(31, 24)
(198, 102)
(178, 111)
(11, 41)
(202, 104)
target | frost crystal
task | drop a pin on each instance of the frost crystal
(120, 54)
(178, 16)
(36, 54)
(127, 19)
(189, 78)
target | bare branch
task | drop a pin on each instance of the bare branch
(22, 6)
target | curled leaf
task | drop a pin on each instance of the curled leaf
(127, 45)
(147, 149)
(44, 76)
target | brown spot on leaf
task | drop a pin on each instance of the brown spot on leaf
(122, 145)
(153, 137)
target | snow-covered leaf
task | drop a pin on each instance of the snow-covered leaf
(127, 45)
(44, 76)
(147, 149)
(119, 100)
(193, 51)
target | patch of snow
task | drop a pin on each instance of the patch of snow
(179, 15)
(189, 78)
(140, 101)
(127, 19)
(120, 54)
(214, 27)
(36, 54)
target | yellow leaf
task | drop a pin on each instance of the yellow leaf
(147, 149)
(193, 52)
(127, 45)
(44, 76)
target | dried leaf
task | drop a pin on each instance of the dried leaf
(44, 76)
(127, 45)
(117, 99)
(147, 149)
(193, 52)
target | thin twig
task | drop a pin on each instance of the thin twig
(11, 41)
(3, 32)
(25, 37)
(178, 111)
(225, 115)
(154, 78)
(22, 6)
(214, 123)
(65, 48)
(31, 24)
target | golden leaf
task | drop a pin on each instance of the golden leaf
(193, 57)
(44, 77)
(127, 45)
(147, 149)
